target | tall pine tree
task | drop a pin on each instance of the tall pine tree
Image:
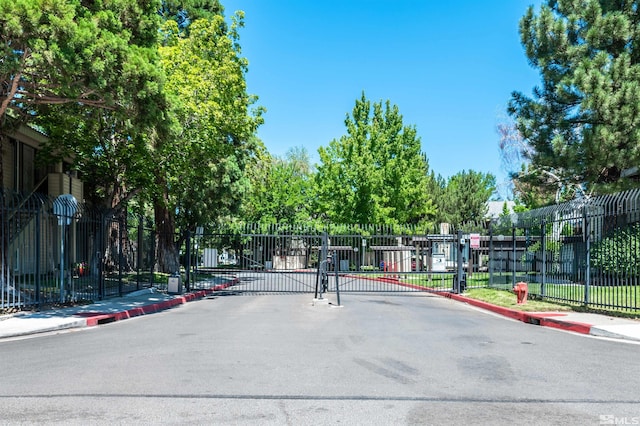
(583, 123)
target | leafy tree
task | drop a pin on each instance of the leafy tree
(112, 147)
(582, 126)
(74, 54)
(199, 170)
(280, 188)
(47, 53)
(465, 197)
(376, 173)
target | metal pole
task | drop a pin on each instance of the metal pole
(587, 240)
(101, 239)
(315, 296)
(120, 257)
(37, 275)
(543, 244)
(335, 268)
(187, 282)
(491, 254)
(513, 241)
(460, 266)
(61, 260)
(140, 244)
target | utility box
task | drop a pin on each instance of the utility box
(173, 285)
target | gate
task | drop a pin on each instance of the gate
(347, 259)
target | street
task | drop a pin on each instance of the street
(283, 359)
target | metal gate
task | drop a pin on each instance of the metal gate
(296, 259)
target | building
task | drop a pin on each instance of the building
(21, 173)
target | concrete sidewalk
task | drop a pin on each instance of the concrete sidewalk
(141, 302)
(149, 301)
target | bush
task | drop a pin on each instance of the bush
(619, 252)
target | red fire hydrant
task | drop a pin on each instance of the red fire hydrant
(521, 289)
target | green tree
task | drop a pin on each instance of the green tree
(112, 147)
(199, 170)
(465, 197)
(281, 188)
(376, 173)
(73, 54)
(582, 125)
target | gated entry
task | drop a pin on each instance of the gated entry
(363, 259)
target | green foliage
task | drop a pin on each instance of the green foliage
(110, 145)
(281, 188)
(465, 197)
(582, 125)
(619, 252)
(375, 173)
(203, 162)
(57, 51)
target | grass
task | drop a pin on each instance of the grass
(507, 299)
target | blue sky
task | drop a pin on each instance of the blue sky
(450, 67)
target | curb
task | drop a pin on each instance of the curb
(98, 318)
(543, 319)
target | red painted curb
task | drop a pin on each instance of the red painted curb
(97, 318)
(539, 318)
(576, 327)
(542, 319)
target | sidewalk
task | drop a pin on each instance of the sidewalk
(149, 301)
(141, 302)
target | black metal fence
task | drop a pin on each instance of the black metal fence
(58, 250)
(359, 258)
(586, 251)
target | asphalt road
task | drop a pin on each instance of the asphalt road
(283, 359)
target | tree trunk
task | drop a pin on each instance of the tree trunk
(167, 253)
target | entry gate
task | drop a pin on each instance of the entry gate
(290, 259)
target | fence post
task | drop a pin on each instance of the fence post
(101, 247)
(187, 281)
(335, 268)
(37, 243)
(120, 256)
(587, 240)
(491, 260)
(513, 242)
(460, 266)
(152, 255)
(139, 251)
(543, 246)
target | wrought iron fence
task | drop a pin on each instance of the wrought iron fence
(58, 250)
(364, 258)
(586, 251)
